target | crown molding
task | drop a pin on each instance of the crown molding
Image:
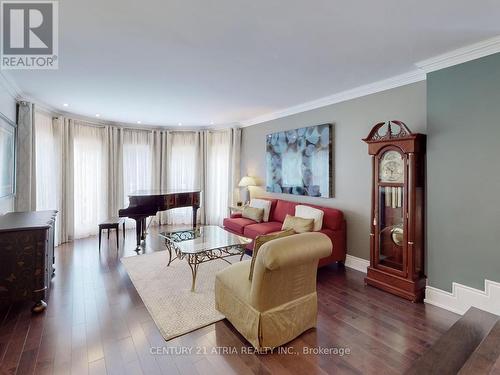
(455, 57)
(461, 55)
(371, 88)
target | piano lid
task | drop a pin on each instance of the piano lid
(147, 193)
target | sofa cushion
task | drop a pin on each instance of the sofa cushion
(333, 218)
(253, 213)
(309, 212)
(254, 230)
(298, 224)
(235, 278)
(237, 224)
(282, 209)
(264, 204)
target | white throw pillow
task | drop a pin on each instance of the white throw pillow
(308, 212)
(264, 204)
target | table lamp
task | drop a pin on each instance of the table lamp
(245, 182)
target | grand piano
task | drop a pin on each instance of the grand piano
(145, 203)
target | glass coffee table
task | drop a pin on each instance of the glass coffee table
(203, 244)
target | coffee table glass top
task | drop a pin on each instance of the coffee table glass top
(204, 238)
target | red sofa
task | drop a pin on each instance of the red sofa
(334, 226)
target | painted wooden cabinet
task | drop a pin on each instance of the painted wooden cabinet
(26, 257)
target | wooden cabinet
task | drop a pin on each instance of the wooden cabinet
(397, 211)
(26, 257)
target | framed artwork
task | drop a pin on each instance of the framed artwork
(7, 157)
(300, 161)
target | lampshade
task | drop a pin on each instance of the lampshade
(247, 181)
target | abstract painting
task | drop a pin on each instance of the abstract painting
(300, 161)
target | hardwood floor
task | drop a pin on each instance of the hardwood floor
(96, 323)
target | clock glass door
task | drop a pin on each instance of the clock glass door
(391, 210)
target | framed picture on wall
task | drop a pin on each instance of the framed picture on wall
(300, 161)
(7, 157)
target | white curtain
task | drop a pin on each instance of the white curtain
(137, 162)
(182, 166)
(48, 167)
(160, 168)
(115, 181)
(87, 171)
(25, 158)
(90, 179)
(221, 173)
(66, 216)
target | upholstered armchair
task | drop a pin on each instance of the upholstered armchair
(280, 302)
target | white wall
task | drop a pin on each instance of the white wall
(8, 108)
(353, 120)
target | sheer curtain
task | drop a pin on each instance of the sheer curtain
(90, 179)
(137, 162)
(182, 167)
(48, 167)
(86, 171)
(217, 175)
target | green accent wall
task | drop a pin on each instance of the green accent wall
(463, 174)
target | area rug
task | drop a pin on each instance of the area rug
(166, 291)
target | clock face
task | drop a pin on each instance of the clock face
(391, 168)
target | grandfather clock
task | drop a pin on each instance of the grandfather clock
(397, 214)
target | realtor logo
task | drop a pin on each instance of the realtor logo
(29, 35)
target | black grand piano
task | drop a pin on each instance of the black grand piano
(145, 203)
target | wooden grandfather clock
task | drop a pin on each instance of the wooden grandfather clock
(397, 218)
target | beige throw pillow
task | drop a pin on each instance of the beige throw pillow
(262, 203)
(308, 212)
(298, 224)
(252, 213)
(261, 240)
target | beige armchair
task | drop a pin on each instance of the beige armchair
(280, 302)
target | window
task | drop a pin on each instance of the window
(137, 162)
(182, 171)
(218, 176)
(90, 179)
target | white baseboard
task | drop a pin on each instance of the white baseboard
(358, 264)
(463, 297)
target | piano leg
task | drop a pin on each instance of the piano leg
(138, 233)
(195, 212)
(143, 226)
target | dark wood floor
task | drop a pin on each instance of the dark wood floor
(96, 323)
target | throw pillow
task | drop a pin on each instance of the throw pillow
(253, 213)
(308, 212)
(298, 224)
(261, 240)
(264, 204)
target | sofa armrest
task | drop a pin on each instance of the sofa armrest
(294, 250)
(338, 238)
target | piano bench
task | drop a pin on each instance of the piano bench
(112, 223)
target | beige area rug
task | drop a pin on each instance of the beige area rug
(166, 291)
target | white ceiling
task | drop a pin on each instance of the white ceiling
(224, 61)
